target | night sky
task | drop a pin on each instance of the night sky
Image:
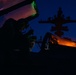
(49, 8)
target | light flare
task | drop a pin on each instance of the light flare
(64, 42)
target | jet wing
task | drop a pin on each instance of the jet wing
(54, 21)
(7, 6)
(69, 21)
(27, 9)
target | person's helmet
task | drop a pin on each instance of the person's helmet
(22, 23)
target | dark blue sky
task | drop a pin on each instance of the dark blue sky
(49, 8)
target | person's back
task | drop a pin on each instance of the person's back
(6, 33)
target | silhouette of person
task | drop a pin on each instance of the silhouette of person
(45, 39)
(5, 39)
(48, 38)
(28, 37)
(32, 41)
(18, 36)
(24, 43)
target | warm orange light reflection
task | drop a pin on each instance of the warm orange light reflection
(65, 42)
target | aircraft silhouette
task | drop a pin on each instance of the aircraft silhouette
(58, 20)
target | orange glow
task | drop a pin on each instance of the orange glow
(64, 42)
(22, 12)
